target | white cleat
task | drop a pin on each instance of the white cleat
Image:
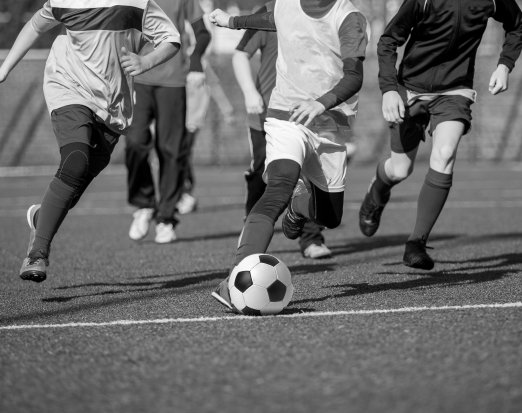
(317, 251)
(186, 204)
(165, 233)
(141, 223)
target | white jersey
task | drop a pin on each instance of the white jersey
(83, 66)
(309, 55)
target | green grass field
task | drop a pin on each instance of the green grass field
(131, 327)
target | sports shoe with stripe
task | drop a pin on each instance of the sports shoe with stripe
(34, 268)
(222, 294)
(292, 222)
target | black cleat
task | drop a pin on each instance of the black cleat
(415, 255)
(370, 214)
(34, 269)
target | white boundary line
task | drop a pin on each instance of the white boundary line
(249, 318)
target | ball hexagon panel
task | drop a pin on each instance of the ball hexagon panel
(283, 274)
(272, 308)
(256, 297)
(248, 262)
(288, 296)
(263, 275)
(236, 298)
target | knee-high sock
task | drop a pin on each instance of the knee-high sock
(432, 198)
(256, 236)
(380, 190)
(55, 205)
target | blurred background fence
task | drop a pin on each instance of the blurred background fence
(26, 136)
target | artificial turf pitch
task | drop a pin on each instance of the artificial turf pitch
(121, 326)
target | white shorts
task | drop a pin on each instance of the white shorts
(322, 155)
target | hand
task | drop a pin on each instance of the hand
(254, 102)
(195, 79)
(133, 64)
(393, 107)
(499, 80)
(219, 18)
(310, 108)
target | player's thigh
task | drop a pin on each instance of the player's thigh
(139, 136)
(170, 119)
(326, 164)
(284, 140)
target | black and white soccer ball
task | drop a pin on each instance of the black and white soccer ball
(260, 284)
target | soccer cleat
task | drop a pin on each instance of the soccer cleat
(315, 251)
(141, 223)
(165, 233)
(34, 269)
(415, 255)
(222, 294)
(186, 204)
(31, 212)
(370, 213)
(292, 222)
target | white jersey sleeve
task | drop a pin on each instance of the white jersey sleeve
(157, 27)
(43, 20)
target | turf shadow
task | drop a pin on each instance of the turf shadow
(500, 266)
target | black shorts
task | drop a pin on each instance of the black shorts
(407, 135)
(78, 123)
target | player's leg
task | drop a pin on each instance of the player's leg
(170, 135)
(81, 160)
(254, 175)
(140, 185)
(187, 202)
(404, 142)
(434, 192)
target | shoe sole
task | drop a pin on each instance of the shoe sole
(419, 265)
(221, 300)
(33, 275)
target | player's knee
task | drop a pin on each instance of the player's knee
(443, 155)
(399, 172)
(74, 169)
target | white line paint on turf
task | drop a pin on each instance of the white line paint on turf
(116, 323)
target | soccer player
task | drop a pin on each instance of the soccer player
(321, 46)
(161, 97)
(257, 95)
(88, 87)
(434, 86)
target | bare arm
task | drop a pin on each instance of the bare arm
(25, 39)
(243, 72)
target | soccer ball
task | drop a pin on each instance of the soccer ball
(260, 284)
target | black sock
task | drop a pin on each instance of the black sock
(432, 198)
(256, 236)
(55, 205)
(381, 187)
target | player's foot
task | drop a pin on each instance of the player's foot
(370, 214)
(292, 222)
(140, 223)
(165, 233)
(222, 294)
(186, 204)
(415, 255)
(315, 251)
(34, 269)
(31, 212)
